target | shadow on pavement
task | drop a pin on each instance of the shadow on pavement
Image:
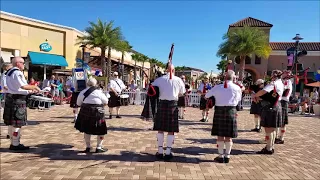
(201, 151)
(111, 128)
(214, 141)
(192, 122)
(64, 152)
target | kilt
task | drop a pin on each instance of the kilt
(91, 120)
(271, 116)
(255, 108)
(147, 109)
(182, 101)
(73, 101)
(15, 110)
(166, 118)
(225, 122)
(284, 105)
(114, 100)
(203, 103)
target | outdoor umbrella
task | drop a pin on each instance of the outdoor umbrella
(315, 84)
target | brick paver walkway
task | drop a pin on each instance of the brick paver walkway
(56, 147)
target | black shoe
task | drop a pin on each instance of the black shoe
(168, 157)
(87, 150)
(118, 116)
(202, 120)
(101, 150)
(226, 160)
(279, 141)
(265, 151)
(8, 137)
(255, 130)
(110, 116)
(20, 147)
(159, 156)
(219, 159)
(182, 117)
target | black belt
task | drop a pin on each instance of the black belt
(16, 96)
(168, 100)
(226, 106)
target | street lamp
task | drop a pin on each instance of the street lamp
(297, 38)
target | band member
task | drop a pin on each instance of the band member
(73, 101)
(91, 116)
(15, 110)
(6, 67)
(202, 90)
(150, 105)
(116, 86)
(256, 107)
(166, 119)
(224, 120)
(271, 114)
(183, 100)
(284, 104)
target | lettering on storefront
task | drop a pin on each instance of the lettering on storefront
(46, 47)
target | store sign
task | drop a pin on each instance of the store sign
(79, 75)
(46, 47)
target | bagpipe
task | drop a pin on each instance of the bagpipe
(270, 99)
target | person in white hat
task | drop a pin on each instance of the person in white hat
(116, 86)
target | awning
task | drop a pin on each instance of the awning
(47, 59)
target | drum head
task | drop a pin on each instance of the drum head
(124, 96)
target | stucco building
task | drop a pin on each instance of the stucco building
(278, 59)
(46, 47)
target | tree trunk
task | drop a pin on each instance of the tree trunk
(103, 62)
(108, 65)
(242, 67)
(122, 63)
(142, 80)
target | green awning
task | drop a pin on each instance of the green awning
(47, 59)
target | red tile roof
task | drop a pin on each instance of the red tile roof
(252, 22)
(282, 46)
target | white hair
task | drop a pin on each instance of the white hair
(230, 74)
(92, 81)
(259, 81)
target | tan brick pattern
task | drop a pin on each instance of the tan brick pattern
(56, 147)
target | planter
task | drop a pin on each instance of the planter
(316, 109)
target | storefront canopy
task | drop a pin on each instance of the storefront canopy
(47, 59)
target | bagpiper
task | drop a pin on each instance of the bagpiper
(183, 100)
(255, 108)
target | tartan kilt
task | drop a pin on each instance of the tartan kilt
(73, 101)
(255, 108)
(166, 118)
(203, 103)
(147, 109)
(225, 122)
(15, 110)
(182, 101)
(91, 120)
(114, 100)
(271, 116)
(284, 105)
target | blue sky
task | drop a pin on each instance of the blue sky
(195, 27)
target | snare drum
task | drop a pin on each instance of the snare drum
(39, 102)
(124, 99)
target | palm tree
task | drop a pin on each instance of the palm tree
(222, 65)
(123, 47)
(244, 42)
(143, 59)
(105, 36)
(136, 57)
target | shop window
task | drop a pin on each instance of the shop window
(257, 60)
(247, 60)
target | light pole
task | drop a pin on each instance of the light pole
(297, 38)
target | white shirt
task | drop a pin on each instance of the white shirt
(230, 96)
(96, 97)
(46, 83)
(169, 89)
(118, 88)
(288, 86)
(3, 82)
(15, 82)
(201, 87)
(69, 85)
(279, 87)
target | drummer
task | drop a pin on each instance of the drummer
(6, 67)
(116, 86)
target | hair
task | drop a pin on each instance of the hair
(92, 82)
(15, 59)
(277, 73)
(230, 75)
(6, 64)
(259, 81)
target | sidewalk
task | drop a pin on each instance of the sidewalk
(55, 147)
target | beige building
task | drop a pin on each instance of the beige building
(278, 59)
(47, 46)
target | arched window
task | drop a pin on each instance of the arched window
(247, 61)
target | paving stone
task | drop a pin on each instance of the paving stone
(56, 150)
